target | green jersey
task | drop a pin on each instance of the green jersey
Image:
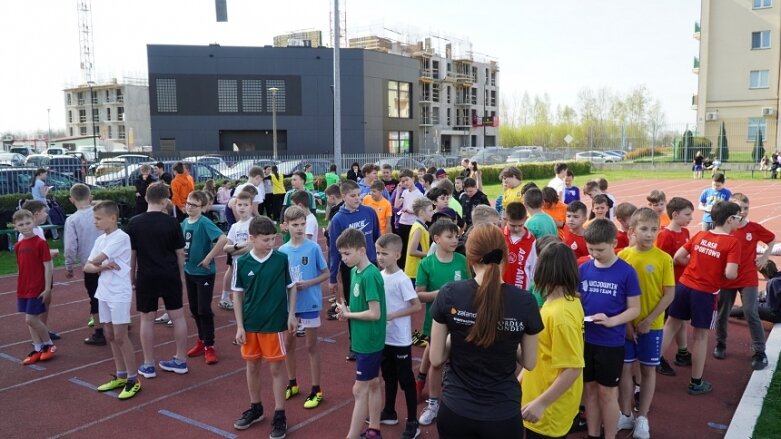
(198, 240)
(264, 283)
(331, 178)
(434, 274)
(367, 337)
(310, 181)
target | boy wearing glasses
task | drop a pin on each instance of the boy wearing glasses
(748, 233)
(203, 240)
(711, 258)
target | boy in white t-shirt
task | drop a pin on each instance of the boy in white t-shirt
(401, 302)
(238, 235)
(301, 199)
(111, 258)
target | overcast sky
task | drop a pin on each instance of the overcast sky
(557, 47)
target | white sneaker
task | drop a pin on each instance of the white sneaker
(642, 430)
(163, 319)
(626, 422)
(429, 414)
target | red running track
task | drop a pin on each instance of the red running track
(55, 398)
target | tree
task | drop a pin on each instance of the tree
(759, 149)
(723, 152)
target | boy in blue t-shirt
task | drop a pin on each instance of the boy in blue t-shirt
(610, 294)
(308, 270)
(203, 240)
(710, 196)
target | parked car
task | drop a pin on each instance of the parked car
(55, 151)
(525, 156)
(240, 169)
(618, 153)
(19, 180)
(399, 163)
(37, 160)
(596, 157)
(491, 156)
(114, 164)
(12, 159)
(213, 160)
(319, 166)
(23, 150)
(68, 165)
(199, 171)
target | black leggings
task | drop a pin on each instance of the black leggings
(397, 372)
(199, 292)
(276, 206)
(403, 230)
(451, 425)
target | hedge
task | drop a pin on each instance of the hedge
(530, 171)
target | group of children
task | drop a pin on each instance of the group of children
(392, 249)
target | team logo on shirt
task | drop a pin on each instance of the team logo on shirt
(649, 268)
(251, 273)
(574, 245)
(511, 258)
(749, 237)
(457, 275)
(357, 290)
(584, 286)
(304, 260)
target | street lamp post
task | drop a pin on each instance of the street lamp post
(274, 91)
(49, 121)
(92, 119)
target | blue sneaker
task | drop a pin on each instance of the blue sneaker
(147, 371)
(173, 365)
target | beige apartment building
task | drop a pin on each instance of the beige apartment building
(738, 70)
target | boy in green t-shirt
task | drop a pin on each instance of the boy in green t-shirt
(264, 298)
(331, 177)
(434, 271)
(367, 316)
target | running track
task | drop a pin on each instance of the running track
(56, 398)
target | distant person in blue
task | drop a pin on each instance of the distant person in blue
(571, 192)
(610, 293)
(710, 196)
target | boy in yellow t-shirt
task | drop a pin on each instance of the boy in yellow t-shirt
(654, 270)
(381, 206)
(511, 181)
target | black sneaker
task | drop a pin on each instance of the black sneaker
(54, 335)
(248, 418)
(279, 427)
(95, 340)
(350, 356)
(683, 359)
(411, 431)
(759, 361)
(720, 351)
(664, 368)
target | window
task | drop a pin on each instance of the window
(281, 99)
(474, 96)
(68, 99)
(227, 96)
(493, 98)
(759, 4)
(70, 131)
(120, 98)
(251, 95)
(82, 116)
(70, 116)
(398, 99)
(110, 134)
(94, 95)
(435, 116)
(166, 96)
(121, 130)
(399, 142)
(757, 124)
(108, 97)
(82, 131)
(493, 79)
(435, 69)
(95, 115)
(120, 113)
(448, 94)
(448, 118)
(435, 92)
(95, 130)
(80, 98)
(108, 114)
(758, 79)
(760, 40)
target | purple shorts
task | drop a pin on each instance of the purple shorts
(698, 306)
(32, 306)
(367, 366)
(647, 349)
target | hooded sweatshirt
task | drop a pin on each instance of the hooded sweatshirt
(363, 219)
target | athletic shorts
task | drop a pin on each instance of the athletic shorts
(33, 306)
(698, 167)
(309, 319)
(149, 293)
(91, 284)
(117, 313)
(647, 349)
(264, 346)
(603, 364)
(698, 306)
(367, 366)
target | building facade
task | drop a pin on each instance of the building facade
(117, 111)
(738, 71)
(215, 98)
(310, 38)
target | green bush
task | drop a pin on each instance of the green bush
(530, 171)
(647, 152)
(125, 194)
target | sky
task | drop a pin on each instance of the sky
(541, 46)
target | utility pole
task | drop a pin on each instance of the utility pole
(337, 91)
(92, 120)
(49, 121)
(274, 91)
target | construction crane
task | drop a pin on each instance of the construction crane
(86, 44)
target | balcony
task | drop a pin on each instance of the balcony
(697, 30)
(425, 121)
(464, 79)
(695, 98)
(696, 65)
(463, 102)
(425, 98)
(426, 75)
(463, 122)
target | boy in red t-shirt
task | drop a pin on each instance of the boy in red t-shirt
(521, 251)
(573, 233)
(748, 233)
(624, 213)
(669, 240)
(711, 259)
(33, 285)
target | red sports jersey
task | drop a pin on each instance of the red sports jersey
(31, 253)
(521, 258)
(622, 240)
(576, 242)
(710, 254)
(669, 242)
(748, 236)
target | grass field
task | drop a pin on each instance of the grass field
(768, 425)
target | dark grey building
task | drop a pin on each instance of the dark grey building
(210, 98)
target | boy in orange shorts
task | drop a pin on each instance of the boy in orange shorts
(265, 302)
